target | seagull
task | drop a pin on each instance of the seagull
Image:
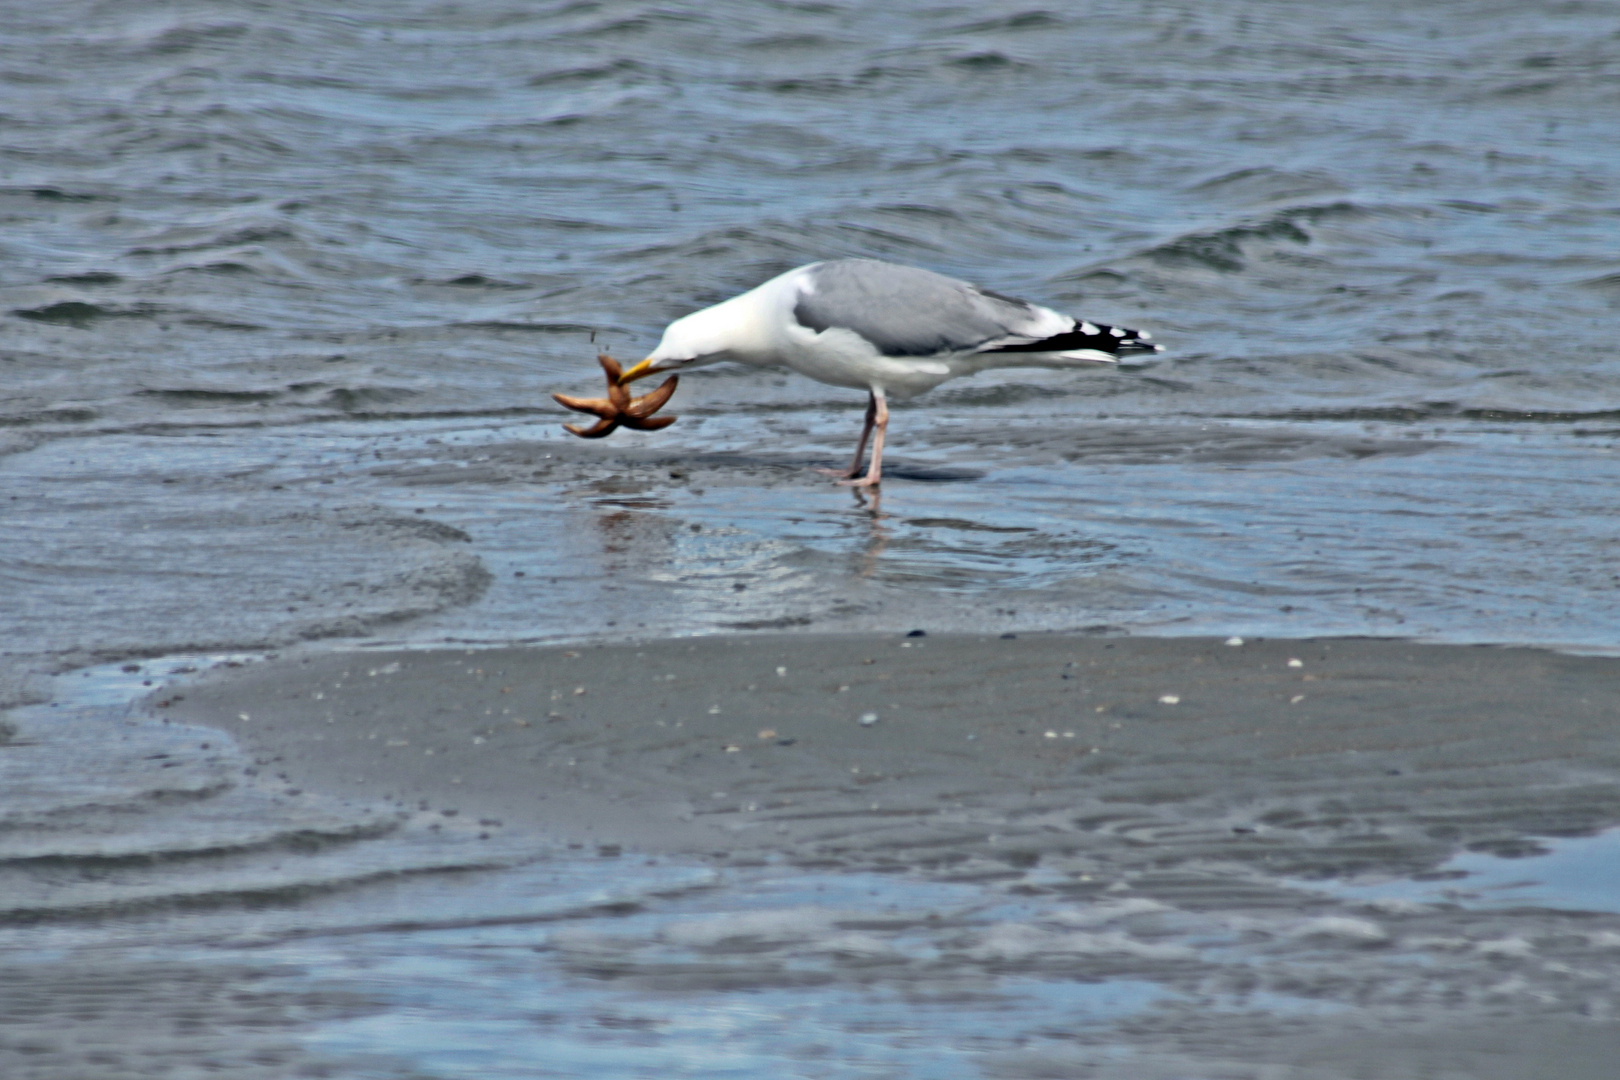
(893, 331)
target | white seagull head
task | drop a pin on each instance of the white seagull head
(737, 329)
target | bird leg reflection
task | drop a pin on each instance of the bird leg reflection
(619, 408)
(877, 539)
(869, 498)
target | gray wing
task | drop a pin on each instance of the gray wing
(904, 311)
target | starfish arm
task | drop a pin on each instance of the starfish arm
(649, 423)
(617, 395)
(595, 431)
(644, 406)
(600, 406)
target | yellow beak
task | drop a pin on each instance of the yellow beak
(641, 370)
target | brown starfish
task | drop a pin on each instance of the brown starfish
(619, 407)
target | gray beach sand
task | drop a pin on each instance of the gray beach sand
(1097, 757)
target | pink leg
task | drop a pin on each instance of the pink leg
(880, 424)
(854, 469)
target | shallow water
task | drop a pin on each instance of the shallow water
(285, 292)
(1569, 873)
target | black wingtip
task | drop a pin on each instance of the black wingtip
(1098, 337)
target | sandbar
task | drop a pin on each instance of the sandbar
(959, 754)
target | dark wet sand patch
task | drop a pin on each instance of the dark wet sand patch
(1100, 758)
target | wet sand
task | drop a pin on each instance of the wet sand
(1101, 759)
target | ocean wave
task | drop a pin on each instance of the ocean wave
(1231, 249)
(81, 314)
